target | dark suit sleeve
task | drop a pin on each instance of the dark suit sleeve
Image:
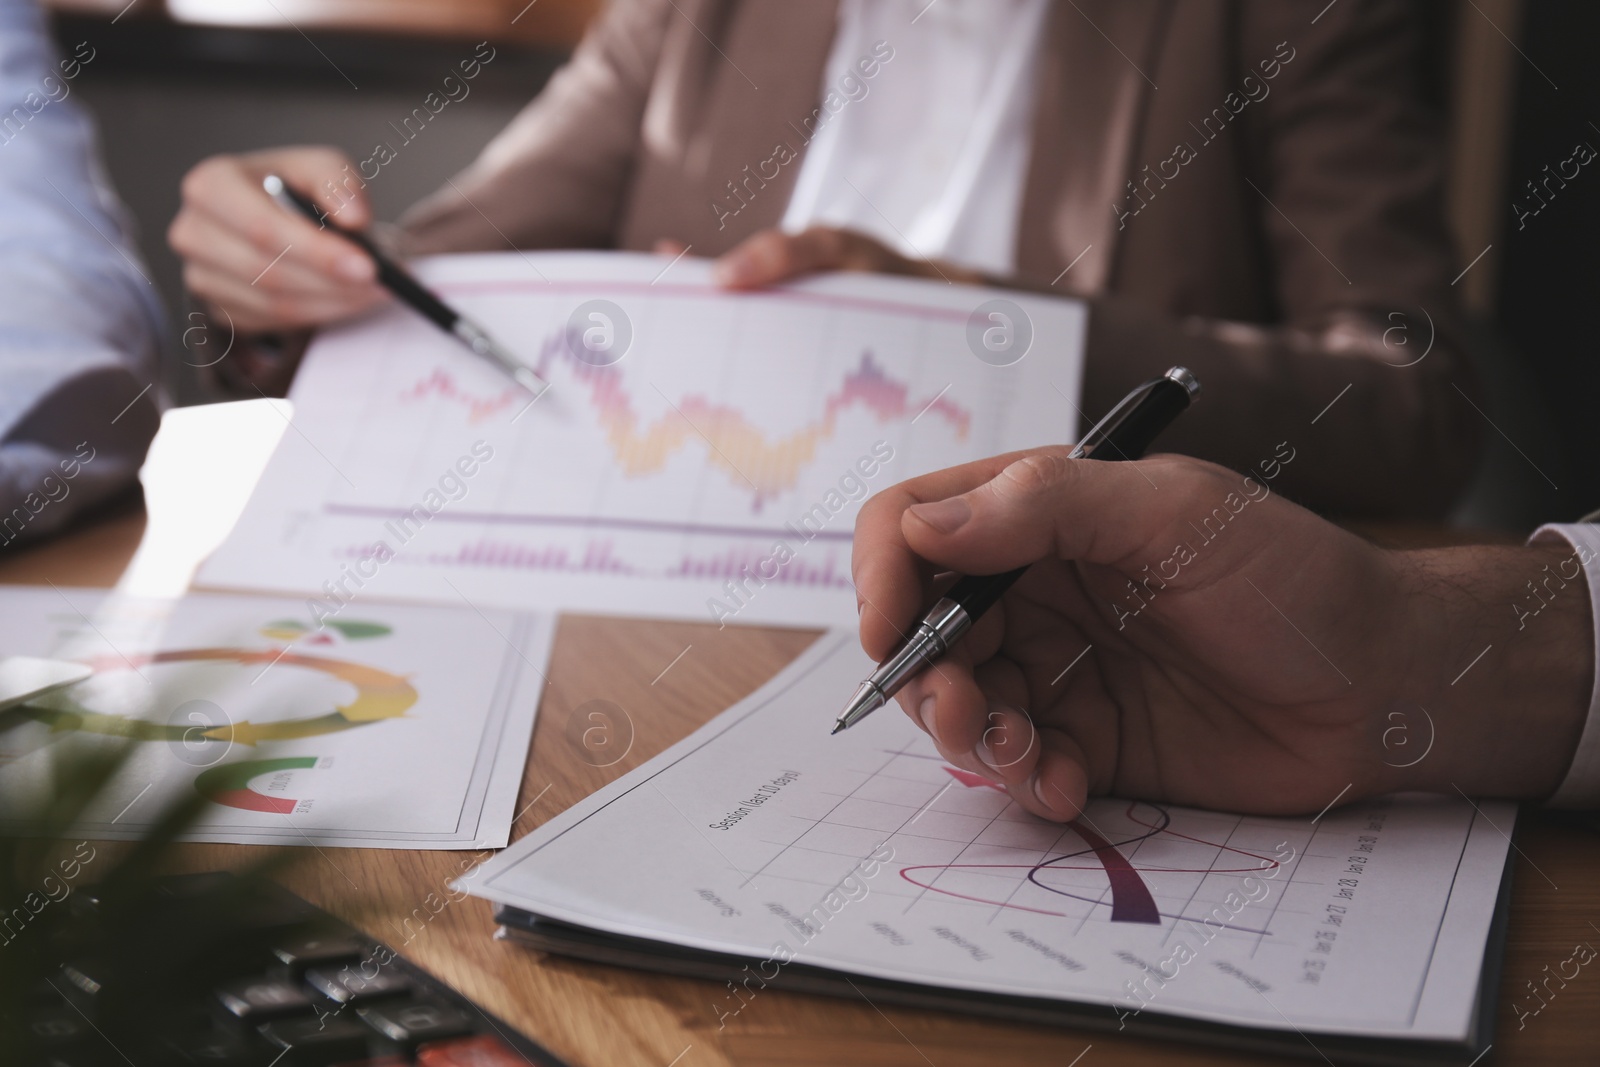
(1347, 163)
(556, 176)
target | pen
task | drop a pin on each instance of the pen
(1124, 433)
(399, 281)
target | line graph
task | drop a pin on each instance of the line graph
(442, 384)
(1131, 900)
(961, 841)
(714, 470)
(735, 444)
(876, 857)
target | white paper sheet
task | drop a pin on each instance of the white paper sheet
(390, 726)
(707, 465)
(761, 835)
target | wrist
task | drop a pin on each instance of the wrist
(1501, 675)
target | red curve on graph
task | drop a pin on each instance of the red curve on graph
(1131, 900)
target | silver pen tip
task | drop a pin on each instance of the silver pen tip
(868, 698)
(483, 344)
(521, 373)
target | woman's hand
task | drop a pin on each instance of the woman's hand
(267, 268)
(773, 256)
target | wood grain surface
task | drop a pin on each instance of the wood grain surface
(599, 1016)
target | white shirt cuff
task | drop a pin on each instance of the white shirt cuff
(1580, 789)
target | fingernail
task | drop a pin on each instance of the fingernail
(946, 516)
(860, 606)
(355, 268)
(1038, 791)
(985, 755)
(925, 713)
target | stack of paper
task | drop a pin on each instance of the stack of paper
(335, 723)
(766, 844)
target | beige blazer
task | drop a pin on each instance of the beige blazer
(1235, 188)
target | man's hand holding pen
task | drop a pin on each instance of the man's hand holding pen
(1185, 635)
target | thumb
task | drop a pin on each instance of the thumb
(1047, 504)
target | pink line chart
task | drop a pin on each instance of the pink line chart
(600, 557)
(734, 442)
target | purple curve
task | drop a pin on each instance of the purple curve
(1131, 901)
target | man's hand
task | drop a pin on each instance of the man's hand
(773, 256)
(268, 268)
(1185, 635)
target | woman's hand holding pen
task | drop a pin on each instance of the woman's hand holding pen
(1185, 635)
(267, 268)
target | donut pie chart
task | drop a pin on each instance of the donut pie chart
(229, 784)
(380, 695)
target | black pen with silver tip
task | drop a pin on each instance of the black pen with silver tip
(1125, 433)
(411, 292)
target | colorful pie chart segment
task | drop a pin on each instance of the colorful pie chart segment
(229, 784)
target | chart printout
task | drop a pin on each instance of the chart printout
(700, 454)
(387, 726)
(763, 836)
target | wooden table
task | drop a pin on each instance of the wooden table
(603, 1016)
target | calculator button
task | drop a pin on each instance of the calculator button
(297, 957)
(56, 1027)
(317, 1042)
(482, 1051)
(82, 1056)
(83, 981)
(217, 1048)
(262, 999)
(413, 1022)
(345, 986)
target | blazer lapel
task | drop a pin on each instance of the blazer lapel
(739, 93)
(1094, 84)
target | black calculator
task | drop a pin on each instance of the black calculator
(232, 971)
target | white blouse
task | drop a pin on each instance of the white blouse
(928, 154)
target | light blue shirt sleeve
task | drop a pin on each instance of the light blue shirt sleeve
(79, 317)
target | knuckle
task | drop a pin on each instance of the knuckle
(204, 179)
(194, 280)
(1034, 474)
(198, 180)
(772, 247)
(261, 230)
(869, 510)
(284, 309)
(1201, 482)
(270, 283)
